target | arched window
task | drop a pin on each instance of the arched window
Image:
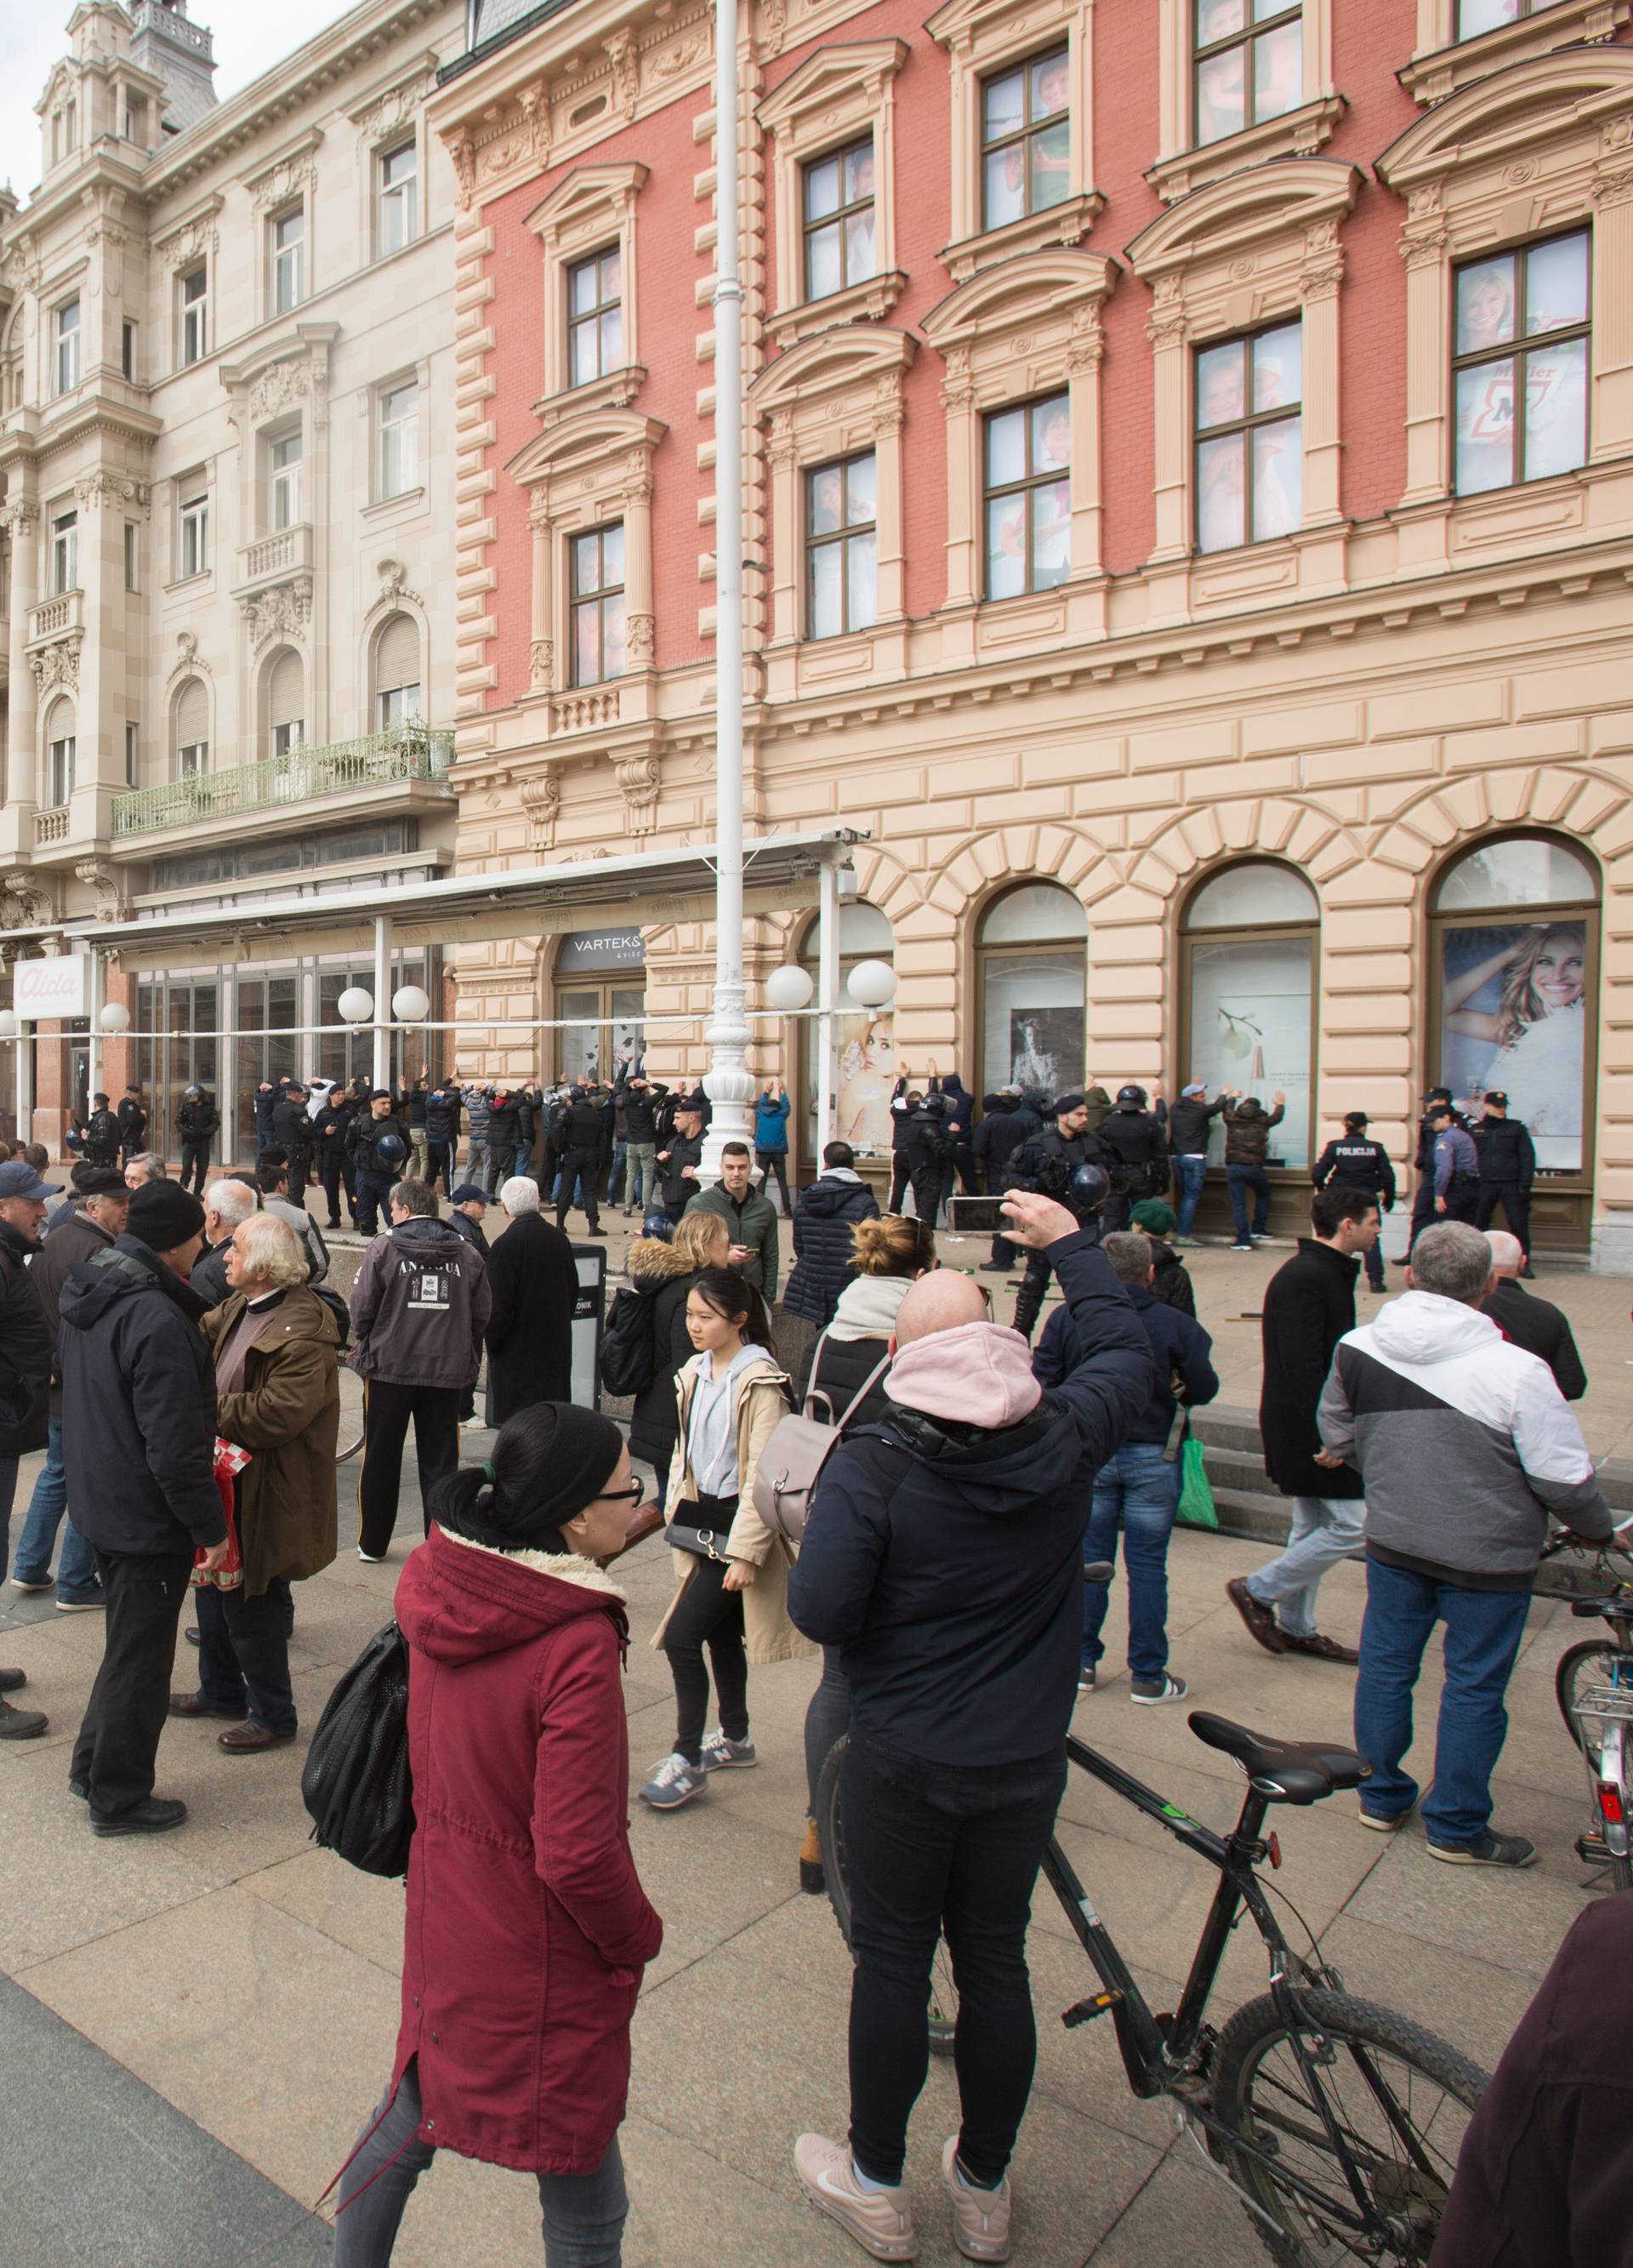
(1514, 962)
(397, 697)
(59, 742)
(1250, 936)
(191, 729)
(1032, 959)
(286, 702)
(864, 1069)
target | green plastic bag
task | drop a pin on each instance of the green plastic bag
(1196, 1497)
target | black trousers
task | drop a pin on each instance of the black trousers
(577, 1164)
(300, 1172)
(386, 1409)
(898, 1178)
(936, 1850)
(338, 1169)
(1462, 1199)
(707, 1614)
(373, 1192)
(439, 1161)
(927, 1194)
(118, 1743)
(1029, 1299)
(1516, 1203)
(194, 1166)
(961, 1160)
(770, 1162)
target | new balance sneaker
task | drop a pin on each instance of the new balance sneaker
(1153, 1690)
(673, 1782)
(723, 1754)
(1486, 1849)
(980, 2217)
(881, 2220)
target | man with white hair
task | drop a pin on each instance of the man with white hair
(534, 1278)
(1537, 1325)
(227, 1203)
(1466, 1449)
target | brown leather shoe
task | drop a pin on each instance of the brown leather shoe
(249, 1739)
(1260, 1620)
(1323, 1649)
(193, 1705)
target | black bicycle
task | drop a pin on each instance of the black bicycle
(1336, 2123)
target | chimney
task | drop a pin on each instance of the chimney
(177, 51)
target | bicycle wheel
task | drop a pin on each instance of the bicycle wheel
(1591, 1661)
(831, 1835)
(1398, 2100)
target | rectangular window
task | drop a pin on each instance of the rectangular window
(131, 556)
(1249, 438)
(1248, 60)
(400, 439)
(130, 755)
(842, 546)
(194, 289)
(286, 481)
(289, 261)
(402, 705)
(136, 120)
(396, 197)
(1028, 497)
(60, 772)
(64, 553)
(597, 604)
(68, 346)
(286, 738)
(838, 220)
(595, 320)
(192, 758)
(1476, 16)
(1026, 139)
(194, 527)
(128, 350)
(1520, 365)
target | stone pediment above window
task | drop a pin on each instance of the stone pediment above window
(1444, 64)
(1580, 94)
(1217, 252)
(591, 211)
(1030, 310)
(589, 202)
(835, 362)
(594, 439)
(1298, 133)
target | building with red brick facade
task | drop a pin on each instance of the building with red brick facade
(1188, 471)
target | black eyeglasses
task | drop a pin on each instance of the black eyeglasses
(631, 1495)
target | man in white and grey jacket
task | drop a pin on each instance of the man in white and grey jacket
(1467, 1447)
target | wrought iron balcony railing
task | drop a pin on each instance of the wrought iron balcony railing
(302, 776)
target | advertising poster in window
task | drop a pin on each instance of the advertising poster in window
(865, 1073)
(1250, 1028)
(1513, 1016)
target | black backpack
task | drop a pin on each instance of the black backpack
(629, 1343)
(356, 1785)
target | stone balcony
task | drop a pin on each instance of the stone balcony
(274, 559)
(59, 617)
(407, 767)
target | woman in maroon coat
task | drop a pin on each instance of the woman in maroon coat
(527, 1928)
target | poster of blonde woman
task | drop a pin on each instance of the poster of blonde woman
(866, 1071)
(1513, 1014)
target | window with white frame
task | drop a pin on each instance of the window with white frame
(1520, 364)
(66, 327)
(284, 471)
(595, 316)
(842, 547)
(596, 604)
(1025, 138)
(1247, 59)
(396, 197)
(1249, 438)
(399, 438)
(1476, 16)
(1028, 497)
(831, 131)
(191, 729)
(286, 703)
(193, 294)
(193, 533)
(135, 119)
(60, 743)
(64, 552)
(839, 216)
(288, 249)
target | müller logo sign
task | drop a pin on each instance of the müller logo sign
(52, 990)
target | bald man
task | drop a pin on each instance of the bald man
(944, 1564)
(1535, 1324)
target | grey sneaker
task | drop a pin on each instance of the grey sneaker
(723, 1754)
(980, 2218)
(673, 1782)
(1486, 1849)
(1162, 1689)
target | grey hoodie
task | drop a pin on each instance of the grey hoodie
(419, 1306)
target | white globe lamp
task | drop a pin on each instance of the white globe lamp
(410, 1005)
(355, 1005)
(113, 1018)
(789, 989)
(873, 984)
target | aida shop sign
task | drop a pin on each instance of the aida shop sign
(52, 991)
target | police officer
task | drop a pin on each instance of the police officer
(1354, 1163)
(378, 1142)
(928, 1144)
(1424, 1161)
(1138, 1139)
(1508, 1166)
(1456, 1166)
(101, 1137)
(1050, 1163)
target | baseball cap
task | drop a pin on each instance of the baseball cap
(1496, 1094)
(18, 1179)
(467, 1191)
(1196, 1086)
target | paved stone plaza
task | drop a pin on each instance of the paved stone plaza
(199, 2024)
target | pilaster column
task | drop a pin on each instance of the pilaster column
(20, 519)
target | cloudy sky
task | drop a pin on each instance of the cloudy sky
(250, 38)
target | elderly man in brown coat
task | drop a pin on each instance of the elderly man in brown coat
(276, 1346)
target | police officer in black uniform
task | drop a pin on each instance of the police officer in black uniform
(1138, 1139)
(929, 1144)
(1508, 1166)
(1424, 1213)
(1050, 1163)
(1354, 1163)
(101, 1134)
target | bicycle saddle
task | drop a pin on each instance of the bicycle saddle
(1288, 1772)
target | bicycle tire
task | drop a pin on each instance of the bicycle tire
(831, 1837)
(1568, 1676)
(348, 1449)
(1249, 2101)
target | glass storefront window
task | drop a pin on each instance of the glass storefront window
(1034, 957)
(1249, 1020)
(865, 1070)
(600, 977)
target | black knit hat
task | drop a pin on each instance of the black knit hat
(164, 1215)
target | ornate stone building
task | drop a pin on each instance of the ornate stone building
(226, 441)
(1190, 519)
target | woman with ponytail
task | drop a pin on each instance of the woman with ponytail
(730, 1596)
(527, 1928)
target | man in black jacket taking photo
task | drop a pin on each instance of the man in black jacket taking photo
(945, 1562)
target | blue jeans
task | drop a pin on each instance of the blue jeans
(76, 1574)
(1139, 1490)
(584, 2214)
(1190, 1173)
(1483, 1633)
(1238, 1180)
(1325, 1529)
(521, 1161)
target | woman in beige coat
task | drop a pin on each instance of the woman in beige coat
(732, 1598)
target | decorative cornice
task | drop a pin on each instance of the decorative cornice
(285, 610)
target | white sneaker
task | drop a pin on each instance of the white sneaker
(674, 1781)
(723, 1754)
(370, 1558)
(980, 2218)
